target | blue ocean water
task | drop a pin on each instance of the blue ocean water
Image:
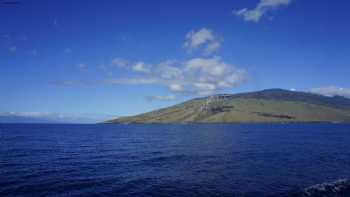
(170, 160)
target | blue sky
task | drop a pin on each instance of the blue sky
(103, 58)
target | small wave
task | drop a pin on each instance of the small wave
(339, 188)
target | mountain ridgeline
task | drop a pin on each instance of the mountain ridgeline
(272, 105)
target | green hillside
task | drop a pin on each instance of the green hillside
(273, 105)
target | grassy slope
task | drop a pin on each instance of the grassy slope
(239, 109)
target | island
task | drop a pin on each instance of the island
(266, 106)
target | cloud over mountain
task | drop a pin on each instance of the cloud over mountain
(201, 75)
(332, 91)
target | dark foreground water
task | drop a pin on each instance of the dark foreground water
(170, 160)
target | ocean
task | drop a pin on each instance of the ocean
(170, 159)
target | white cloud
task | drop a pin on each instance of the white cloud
(264, 6)
(212, 47)
(332, 91)
(203, 38)
(168, 70)
(195, 39)
(26, 114)
(204, 87)
(58, 117)
(67, 83)
(211, 74)
(175, 87)
(207, 66)
(133, 81)
(162, 98)
(120, 62)
(13, 49)
(141, 67)
(196, 76)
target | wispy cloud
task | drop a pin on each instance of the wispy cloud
(120, 62)
(132, 81)
(264, 6)
(162, 98)
(193, 76)
(25, 114)
(141, 67)
(55, 117)
(67, 83)
(202, 39)
(196, 76)
(176, 87)
(332, 91)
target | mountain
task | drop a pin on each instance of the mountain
(272, 105)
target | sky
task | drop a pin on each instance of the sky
(114, 58)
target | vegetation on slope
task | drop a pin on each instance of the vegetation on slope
(273, 105)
